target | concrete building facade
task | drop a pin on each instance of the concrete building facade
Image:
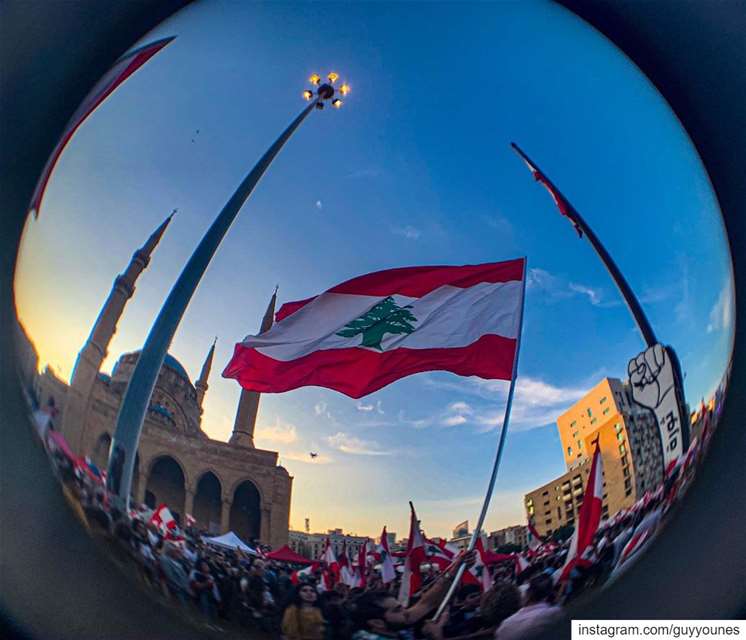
(517, 535)
(312, 545)
(630, 448)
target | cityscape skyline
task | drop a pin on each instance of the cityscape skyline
(402, 439)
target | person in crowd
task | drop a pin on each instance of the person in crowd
(177, 579)
(537, 615)
(302, 619)
(202, 586)
(465, 616)
(339, 625)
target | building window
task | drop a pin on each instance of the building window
(625, 462)
(580, 444)
(594, 420)
(559, 513)
(622, 449)
(606, 411)
(627, 483)
(545, 493)
(617, 427)
(590, 413)
(628, 492)
(602, 400)
(620, 437)
(626, 471)
(573, 423)
(569, 451)
(546, 503)
(548, 521)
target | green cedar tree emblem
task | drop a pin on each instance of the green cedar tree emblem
(385, 317)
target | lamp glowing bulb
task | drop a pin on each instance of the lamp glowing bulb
(336, 103)
(315, 78)
(308, 94)
(333, 77)
(344, 89)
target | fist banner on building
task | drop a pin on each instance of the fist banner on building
(653, 380)
(365, 333)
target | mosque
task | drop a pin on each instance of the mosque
(223, 485)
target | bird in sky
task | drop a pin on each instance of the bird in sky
(313, 454)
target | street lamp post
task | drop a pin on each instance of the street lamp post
(140, 388)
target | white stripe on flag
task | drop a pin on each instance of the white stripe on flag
(490, 308)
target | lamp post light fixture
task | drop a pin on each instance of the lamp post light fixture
(142, 382)
(326, 90)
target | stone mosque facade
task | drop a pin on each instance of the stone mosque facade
(223, 485)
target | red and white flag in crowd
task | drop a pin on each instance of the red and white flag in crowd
(190, 520)
(534, 539)
(521, 564)
(297, 576)
(330, 564)
(589, 516)
(365, 333)
(163, 519)
(122, 69)
(480, 569)
(411, 580)
(635, 543)
(388, 573)
(347, 574)
(439, 553)
(362, 565)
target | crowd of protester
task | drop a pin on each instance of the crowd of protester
(227, 588)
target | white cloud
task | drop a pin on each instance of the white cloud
(453, 421)
(379, 408)
(557, 288)
(461, 407)
(593, 295)
(282, 432)
(319, 205)
(299, 456)
(365, 407)
(350, 444)
(535, 403)
(721, 314)
(319, 408)
(409, 232)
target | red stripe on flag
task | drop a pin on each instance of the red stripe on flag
(415, 282)
(99, 93)
(357, 372)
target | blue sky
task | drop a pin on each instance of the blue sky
(414, 169)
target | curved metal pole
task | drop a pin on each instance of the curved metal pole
(140, 388)
(616, 275)
(498, 456)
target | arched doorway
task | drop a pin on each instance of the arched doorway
(207, 502)
(166, 485)
(100, 453)
(246, 516)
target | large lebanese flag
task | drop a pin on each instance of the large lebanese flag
(367, 332)
(589, 516)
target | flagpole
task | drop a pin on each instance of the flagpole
(498, 456)
(633, 304)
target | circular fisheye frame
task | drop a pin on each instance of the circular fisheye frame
(455, 373)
